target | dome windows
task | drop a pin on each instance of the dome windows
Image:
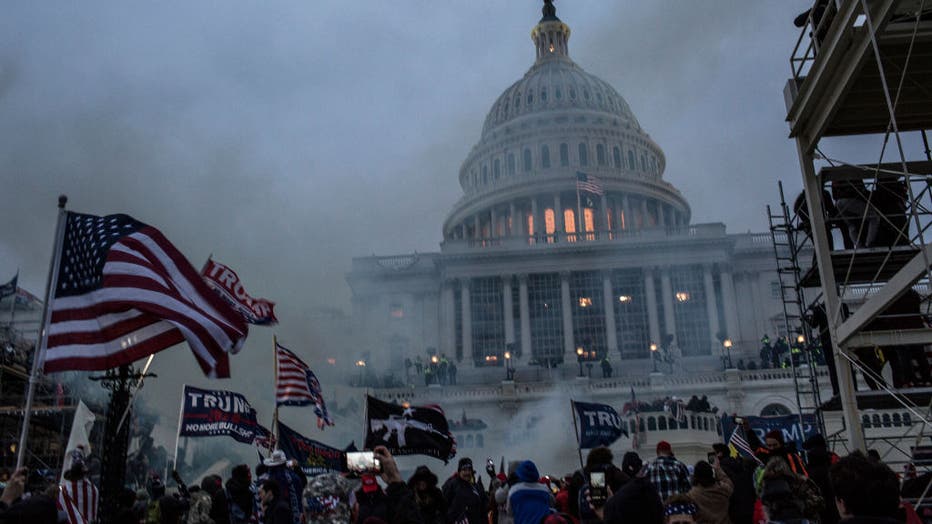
(527, 160)
(583, 154)
(616, 156)
(545, 157)
(631, 162)
(600, 154)
(485, 174)
(511, 163)
(572, 93)
(496, 169)
(585, 94)
(557, 93)
(530, 98)
(543, 95)
(564, 155)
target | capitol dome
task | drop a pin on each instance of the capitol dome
(554, 130)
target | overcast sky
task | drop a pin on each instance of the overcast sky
(286, 138)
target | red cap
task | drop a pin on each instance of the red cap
(369, 484)
(664, 447)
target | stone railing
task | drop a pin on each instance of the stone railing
(697, 231)
(621, 385)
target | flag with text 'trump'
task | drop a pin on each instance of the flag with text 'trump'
(123, 292)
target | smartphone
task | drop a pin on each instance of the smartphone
(711, 458)
(597, 490)
(362, 462)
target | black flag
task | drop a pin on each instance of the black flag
(412, 430)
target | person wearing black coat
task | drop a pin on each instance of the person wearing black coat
(819, 462)
(277, 511)
(464, 496)
(741, 473)
(429, 498)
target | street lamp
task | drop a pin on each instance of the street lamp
(727, 345)
(579, 354)
(361, 364)
(653, 355)
(800, 339)
(507, 365)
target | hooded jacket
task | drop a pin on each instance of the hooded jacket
(529, 501)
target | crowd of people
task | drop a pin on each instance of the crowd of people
(775, 486)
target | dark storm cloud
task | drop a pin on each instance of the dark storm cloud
(287, 138)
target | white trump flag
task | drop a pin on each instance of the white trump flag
(80, 433)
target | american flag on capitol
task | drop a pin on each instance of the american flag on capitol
(296, 385)
(589, 183)
(123, 292)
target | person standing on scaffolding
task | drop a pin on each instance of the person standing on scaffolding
(860, 219)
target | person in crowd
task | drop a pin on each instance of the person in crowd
(775, 447)
(741, 472)
(711, 492)
(38, 508)
(820, 459)
(890, 197)
(291, 483)
(126, 507)
(464, 495)
(78, 495)
(240, 494)
(680, 509)
(529, 501)
(606, 368)
(766, 352)
(427, 495)
(780, 504)
(598, 459)
(219, 505)
(635, 501)
(818, 322)
(668, 475)
(865, 490)
(860, 220)
(804, 493)
(562, 498)
(370, 500)
(274, 507)
(199, 512)
(326, 499)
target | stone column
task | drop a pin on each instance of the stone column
(729, 304)
(448, 320)
(467, 322)
(525, 316)
(666, 290)
(652, 321)
(608, 298)
(559, 227)
(645, 217)
(661, 216)
(759, 317)
(515, 228)
(617, 216)
(509, 310)
(604, 223)
(493, 223)
(536, 218)
(569, 347)
(478, 225)
(626, 209)
(711, 306)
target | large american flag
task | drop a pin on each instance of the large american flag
(589, 183)
(78, 500)
(124, 292)
(296, 385)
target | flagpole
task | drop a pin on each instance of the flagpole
(576, 429)
(365, 420)
(578, 210)
(39, 352)
(13, 301)
(275, 372)
(178, 433)
(142, 378)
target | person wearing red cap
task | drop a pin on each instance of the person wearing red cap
(668, 475)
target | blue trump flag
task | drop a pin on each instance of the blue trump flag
(214, 412)
(788, 425)
(599, 424)
(313, 457)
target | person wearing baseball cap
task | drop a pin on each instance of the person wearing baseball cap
(668, 475)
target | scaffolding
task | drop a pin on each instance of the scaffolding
(790, 241)
(865, 67)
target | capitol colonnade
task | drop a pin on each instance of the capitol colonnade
(545, 318)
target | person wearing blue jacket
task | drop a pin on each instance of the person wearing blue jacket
(529, 501)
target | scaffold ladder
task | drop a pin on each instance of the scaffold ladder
(786, 250)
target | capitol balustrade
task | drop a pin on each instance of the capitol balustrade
(660, 234)
(681, 385)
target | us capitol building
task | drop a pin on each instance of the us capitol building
(537, 281)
